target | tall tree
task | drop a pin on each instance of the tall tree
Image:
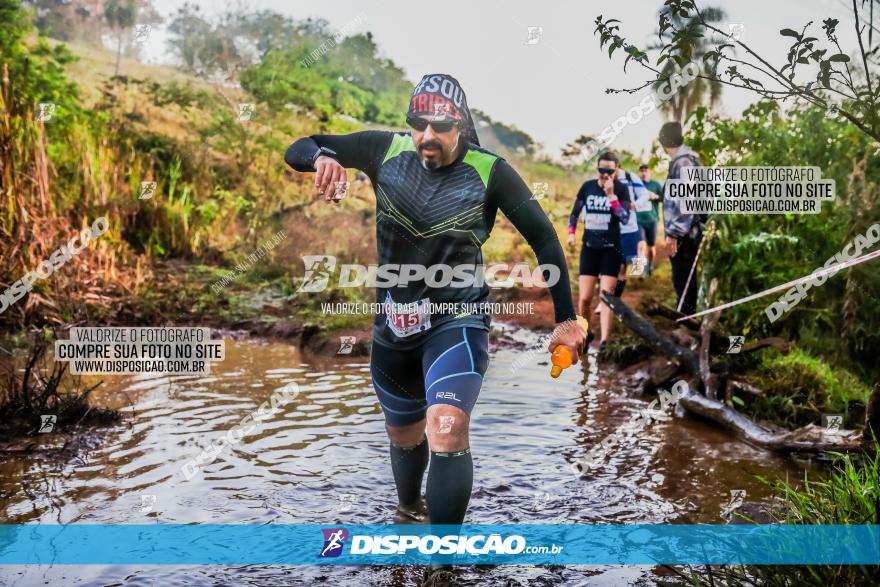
(693, 47)
(121, 15)
(221, 48)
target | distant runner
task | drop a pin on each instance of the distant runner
(603, 205)
(437, 195)
(631, 239)
(648, 219)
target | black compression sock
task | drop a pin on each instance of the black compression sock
(450, 480)
(408, 466)
(618, 290)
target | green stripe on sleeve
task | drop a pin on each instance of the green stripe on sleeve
(399, 144)
(482, 162)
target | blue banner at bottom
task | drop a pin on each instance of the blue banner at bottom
(637, 544)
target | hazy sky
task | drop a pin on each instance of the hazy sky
(555, 89)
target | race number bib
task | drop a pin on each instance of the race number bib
(597, 221)
(407, 319)
(643, 205)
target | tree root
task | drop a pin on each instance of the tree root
(809, 438)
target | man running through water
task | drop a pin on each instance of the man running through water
(437, 196)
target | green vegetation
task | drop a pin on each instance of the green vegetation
(839, 321)
(849, 495)
(121, 16)
(221, 186)
(350, 79)
(497, 134)
(817, 70)
(687, 42)
(800, 388)
(626, 348)
(833, 126)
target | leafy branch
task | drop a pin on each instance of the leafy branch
(814, 70)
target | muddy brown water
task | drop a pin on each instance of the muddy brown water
(323, 460)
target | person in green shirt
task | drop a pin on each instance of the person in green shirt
(648, 219)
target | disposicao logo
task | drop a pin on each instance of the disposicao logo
(492, 545)
(334, 539)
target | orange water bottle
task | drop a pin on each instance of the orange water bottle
(561, 356)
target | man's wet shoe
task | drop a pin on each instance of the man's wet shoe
(440, 576)
(414, 514)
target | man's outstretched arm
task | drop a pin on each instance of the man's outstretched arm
(330, 155)
(359, 150)
(510, 194)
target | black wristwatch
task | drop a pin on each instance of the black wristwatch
(323, 151)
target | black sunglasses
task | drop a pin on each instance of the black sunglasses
(606, 171)
(440, 126)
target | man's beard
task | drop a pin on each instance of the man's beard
(434, 164)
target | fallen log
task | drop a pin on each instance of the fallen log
(718, 341)
(660, 342)
(667, 312)
(662, 370)
(654, 374)
(683, 337)
(809, 438)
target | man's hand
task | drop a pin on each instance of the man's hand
(671, 246)
(571, 240)
(570, 334)
(329, 171)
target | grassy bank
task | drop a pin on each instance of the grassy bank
(849, 495)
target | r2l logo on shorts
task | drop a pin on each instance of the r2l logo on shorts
(407, 319)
